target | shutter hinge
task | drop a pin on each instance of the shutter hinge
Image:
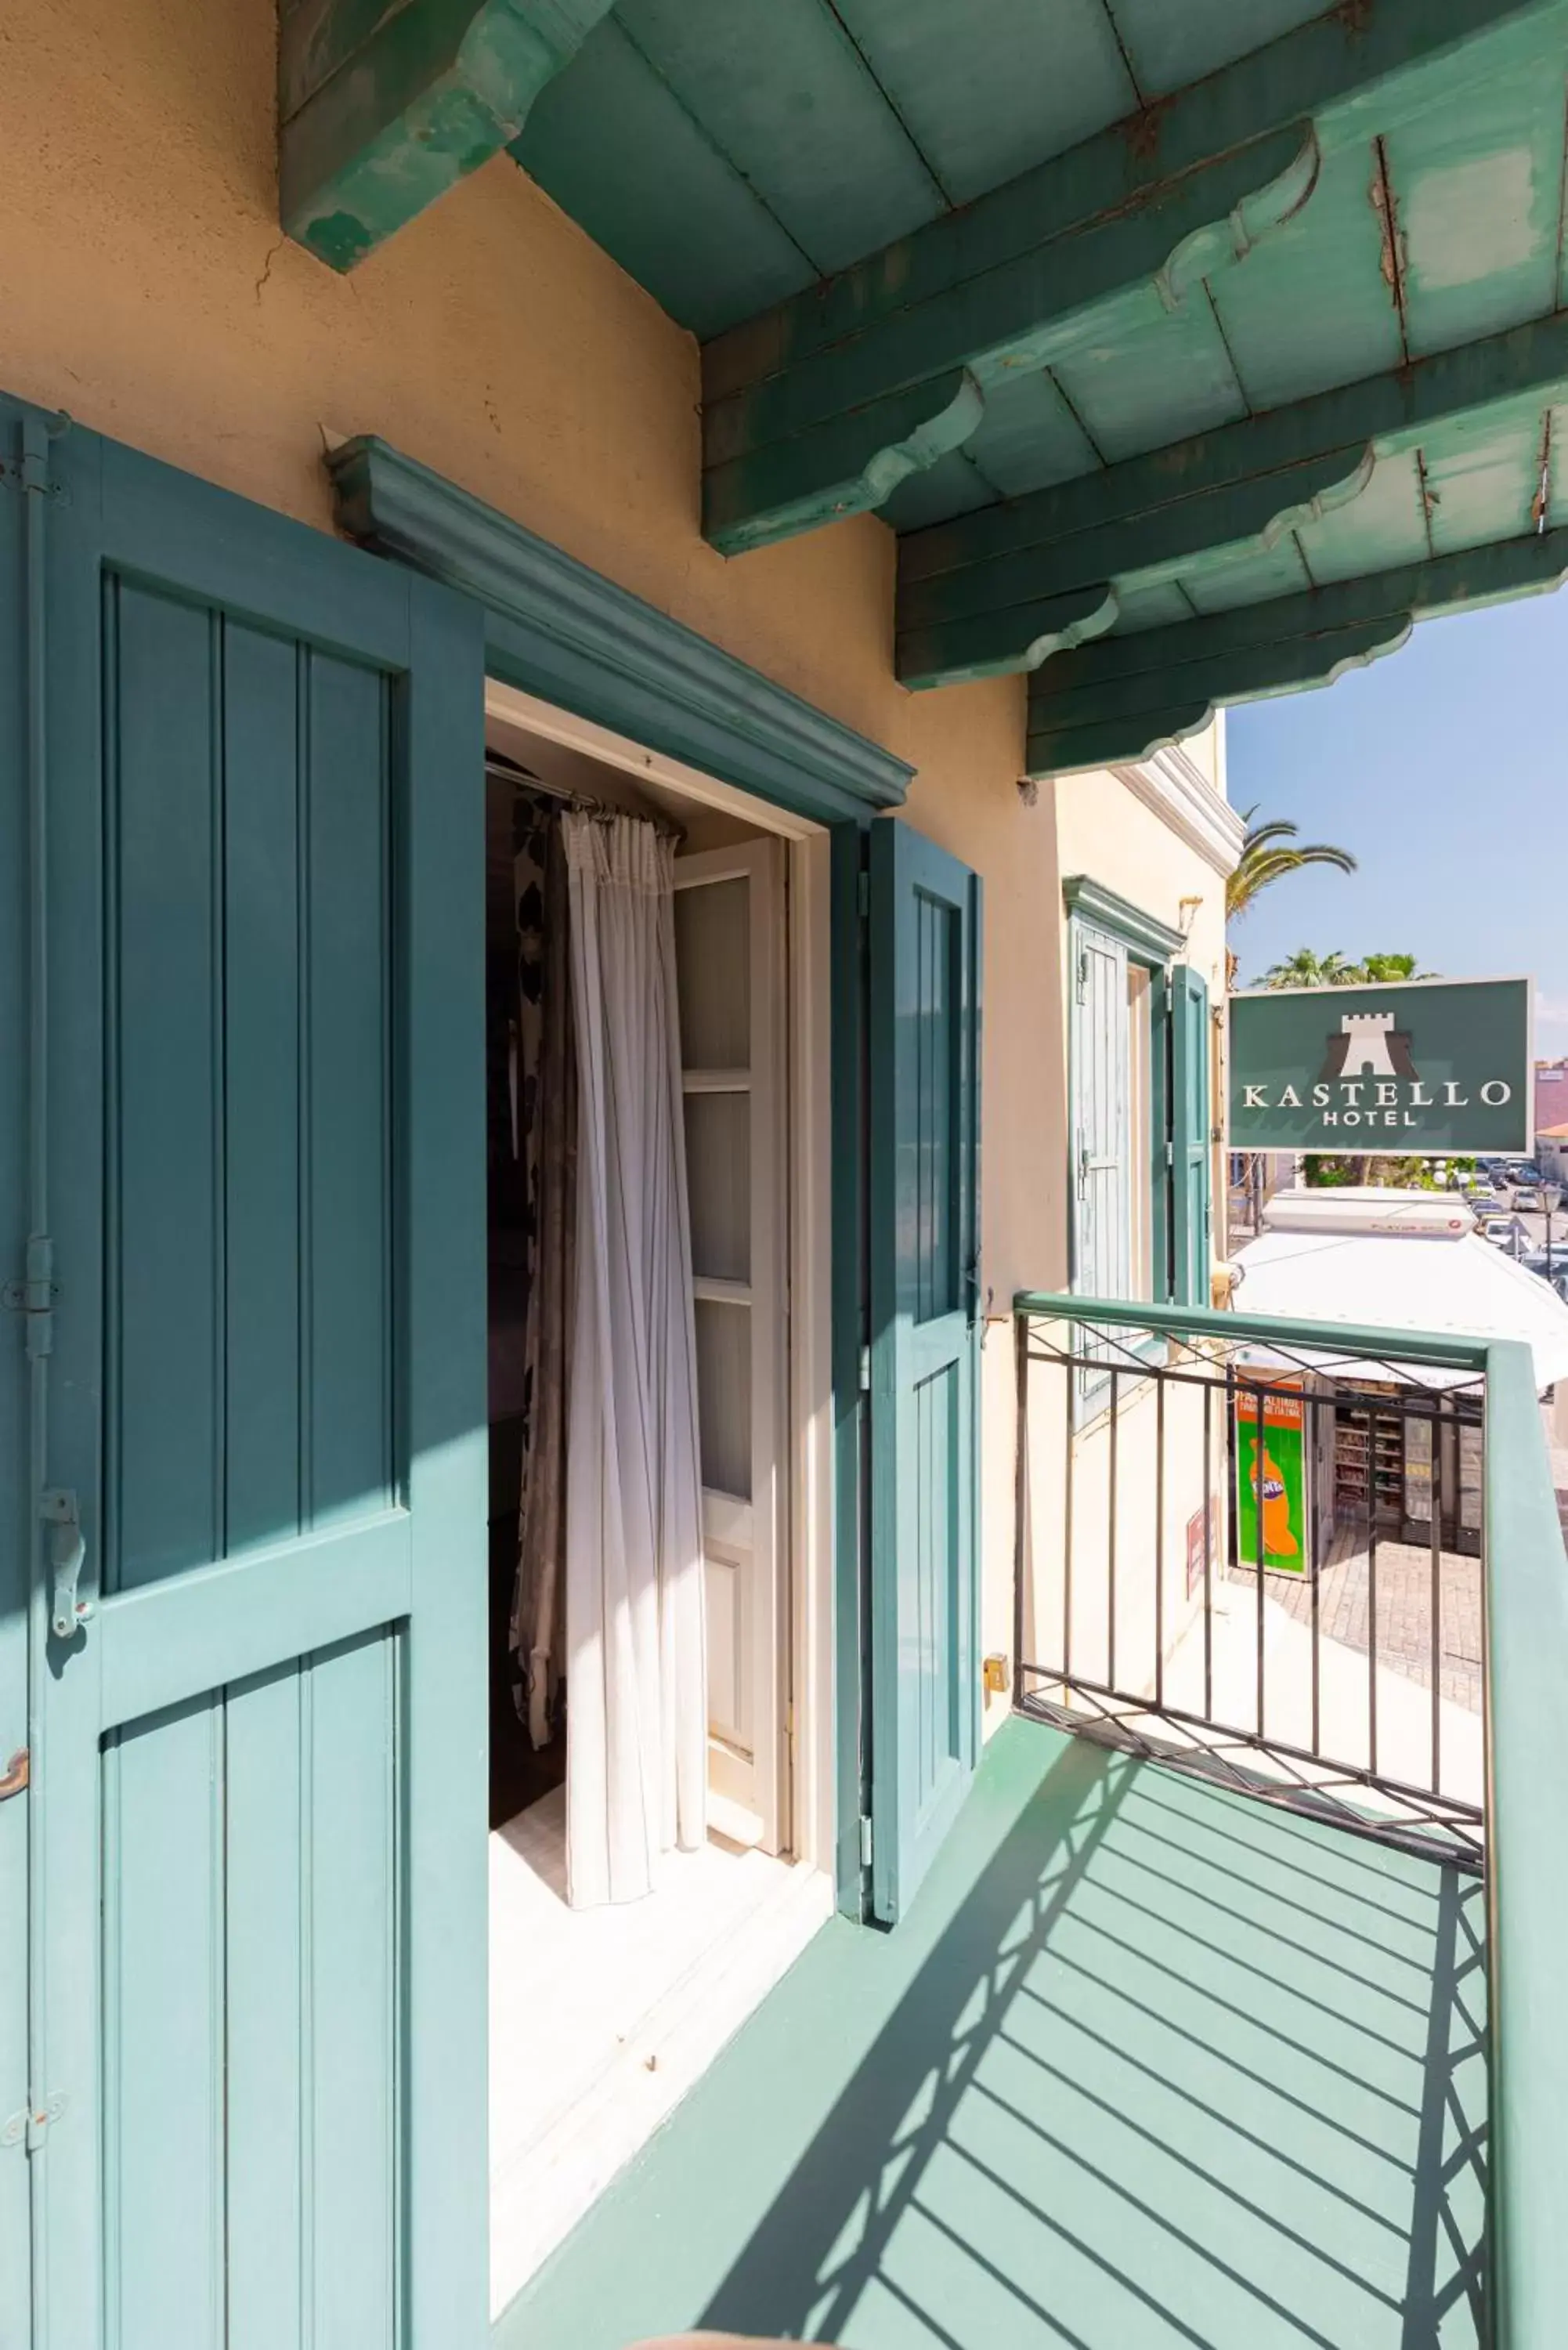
(864, 888)
(34, 1296)
(866, 1370)
(1170, 1154)
(865, 1839)
(27, 2127)
(1082, 975)
(1084, 1170)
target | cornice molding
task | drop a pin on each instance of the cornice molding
(560, 631)
(1144, 932)
(1175, 786)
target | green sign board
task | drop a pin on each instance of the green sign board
(1279, 1482)
(1422, 1068)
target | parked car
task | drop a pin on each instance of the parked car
(1504, 1234)
(1527, 1198)
(1488, 1204)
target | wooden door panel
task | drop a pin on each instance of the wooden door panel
(264, 890)
(249, 1371)
(925, 1013)
(251, 2093)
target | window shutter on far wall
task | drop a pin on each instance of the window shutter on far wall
(1102, 1205)
(1189, 1135)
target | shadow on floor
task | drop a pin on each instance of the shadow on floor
(1167, 2067)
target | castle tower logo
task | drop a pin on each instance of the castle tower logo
(1367, 1045)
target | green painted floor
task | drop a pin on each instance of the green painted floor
(1148, 2064)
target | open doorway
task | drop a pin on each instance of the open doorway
(602, 2012)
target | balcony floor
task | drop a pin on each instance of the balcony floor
(1147, 2063)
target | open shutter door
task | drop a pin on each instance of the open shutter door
(261, 1893)
(925, 1121)
(1189, 1137)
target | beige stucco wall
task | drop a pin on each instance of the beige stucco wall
(145, 287)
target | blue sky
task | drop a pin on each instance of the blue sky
(1444, 769)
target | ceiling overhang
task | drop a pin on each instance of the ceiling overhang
(1128, 696)
(985, 595)
(821, 407)
(1195, 371)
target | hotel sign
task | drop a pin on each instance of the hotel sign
(1426, 1067)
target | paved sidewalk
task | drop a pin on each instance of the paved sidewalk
(1404, 1609)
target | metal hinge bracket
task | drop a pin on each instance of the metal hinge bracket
(865, 1840)
(864, 886)
(27, 2127)
(865, 1370)
(13, 477)
(34, 1296)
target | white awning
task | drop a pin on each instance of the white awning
(1463, 1287)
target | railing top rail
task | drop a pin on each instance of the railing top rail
(1336, 1338)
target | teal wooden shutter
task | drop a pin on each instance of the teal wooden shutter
(259, 1784)
(1189, 1136)
(925, 944)
(1102, 1190)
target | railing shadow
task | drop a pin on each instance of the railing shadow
(1100, 2114)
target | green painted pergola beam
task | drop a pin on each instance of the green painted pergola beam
(820, 406)
(1115, 701)
(382, 108)
(971, 592)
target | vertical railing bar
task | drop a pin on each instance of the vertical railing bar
(1019, 1492)
(1160, 1538)
(1232, 1513)
(1483, 1596)
(1314, 1514)
(1261, 1407)
(1111, 1559)
(1372, 1590)
(1434, 1511)
(1069, 1378)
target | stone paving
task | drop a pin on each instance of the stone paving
(1404, 1609)
(1404, 1599)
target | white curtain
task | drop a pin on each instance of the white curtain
(636, 1694)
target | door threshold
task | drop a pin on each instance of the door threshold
(602, 2019)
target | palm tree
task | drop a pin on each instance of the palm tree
(1305, 968)
(1391, 967)
(1271, 850)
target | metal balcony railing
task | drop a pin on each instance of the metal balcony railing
(1324, 1566)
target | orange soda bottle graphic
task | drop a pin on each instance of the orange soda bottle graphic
(1279, 1540)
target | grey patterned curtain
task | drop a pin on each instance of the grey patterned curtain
(547, 1138)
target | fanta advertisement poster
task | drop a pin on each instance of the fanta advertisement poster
(1282, 1481)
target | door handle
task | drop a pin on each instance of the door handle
(68, 1553)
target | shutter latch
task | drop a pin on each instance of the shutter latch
(68, 1551)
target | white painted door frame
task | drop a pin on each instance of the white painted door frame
(806, 1659)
